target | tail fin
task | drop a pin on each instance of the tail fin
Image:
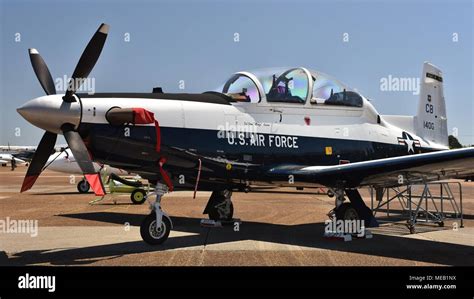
(431, 121)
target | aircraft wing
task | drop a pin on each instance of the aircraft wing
(384, 172)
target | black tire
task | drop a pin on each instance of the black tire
(346, 212)
(214, 213)
(146, 229)
(83, 186)
(138, 196)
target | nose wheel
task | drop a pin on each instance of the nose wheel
(156, 227)
(152, 233)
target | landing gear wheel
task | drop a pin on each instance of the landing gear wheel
(83, 186)
(218, 212)
(412, 229)
(441, 224)
(155, 235)
(138, 196)
(346, 212)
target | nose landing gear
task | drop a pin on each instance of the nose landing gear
(157, 226)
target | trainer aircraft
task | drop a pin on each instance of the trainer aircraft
(280, 127)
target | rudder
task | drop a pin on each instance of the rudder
(431, 121)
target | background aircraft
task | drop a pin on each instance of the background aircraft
(65, 162)
(22, 153)
(9, 149)
(25, 153)
(277, 127)
(6, 159)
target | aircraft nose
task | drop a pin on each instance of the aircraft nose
(26, 111)
(50, 113)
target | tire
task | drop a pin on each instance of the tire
(138, 196)
(214, 212)
(83, 186)
(346, 212)
(156, 238)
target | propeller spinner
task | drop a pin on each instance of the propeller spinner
(61, 114)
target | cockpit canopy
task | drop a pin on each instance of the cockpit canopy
(294, 85)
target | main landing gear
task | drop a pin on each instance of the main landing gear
(220, 207)
(157, 226)
(355, 210)
(346, 212)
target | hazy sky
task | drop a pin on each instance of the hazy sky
(194, 41)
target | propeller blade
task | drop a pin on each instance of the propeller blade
(81, 155)
(40, 158)
(87, 61)
(42, 72)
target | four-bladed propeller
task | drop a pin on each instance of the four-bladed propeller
(83, 68)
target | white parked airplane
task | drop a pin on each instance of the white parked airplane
(293, 126)
(9, 149)
(6, 159)
(65, 162)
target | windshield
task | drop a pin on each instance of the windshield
(241, 88)
(289, 87)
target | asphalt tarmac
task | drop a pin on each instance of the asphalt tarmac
(283, 227)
